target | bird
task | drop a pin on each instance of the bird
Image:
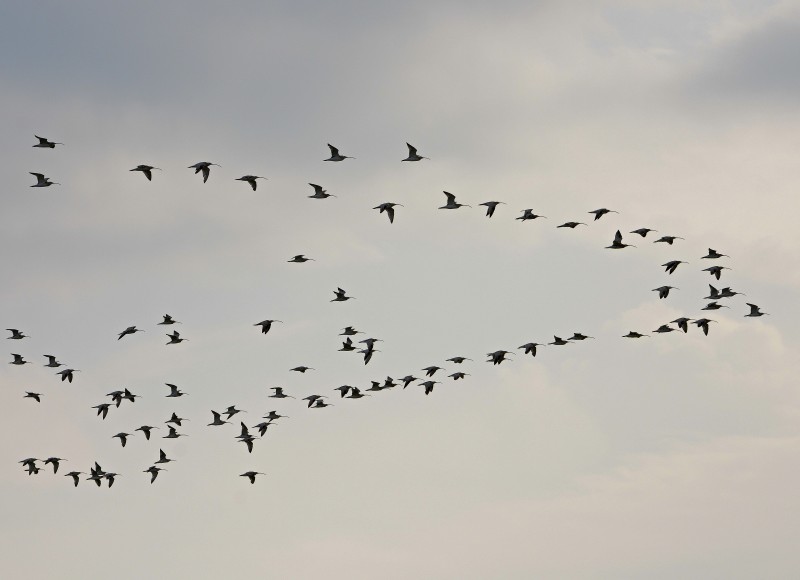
(18, 360)
(146, 430)
(571, 225)
(162, 457)
(251, 179)
(173, 433)
(231, 411)
(73, 474)
(458, 359)
(349, 331)
(430, 371)
(703, 323)
(579, 336)
(116, 397)
(51, 361)
(41, 180)
(347, 345)
(174, 391)
(300, 259)
(727, 292)
(663, 291)
(335, 155)
(147, 170)
(55, 462)
(714, 306)
(129, 330)
(617, 244)
(451, 202)
(370, 342)
(663, 329)
(153, 471)
(205, 167)
(251, 475)
(755, 311)
(248, 440)
(126, 394)
(408, 379)
(343, 390)
(634, 334)
(175, 337)
(313, 399)
(319, 193)
(320, 404)
(683, 323)
(458, 375)
(175, 419)
(123, 438)
(598, 213)
(412, 154)
(355, 393)
(530, 348)
(672, 265)
(273, 416)
(102, 409)
(491, 206)
(110, 477)
(169, 320)
(266, 325)
(429, 386)
(35, 396)
(262, 427)
(217, 420)
(16, 334)
(375, 386)
(279, 394)
(667, 239)
(498, 356)
(713, 255)
(527, 214)
(340, 295)
(30, 465)
(388, 207)
(46, 143)
(302, 369)
(716, 271)
(643, 231)
(66, 374)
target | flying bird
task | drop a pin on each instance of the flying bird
(319, 193)
(713, 255)
(102, 409)
(347, 345)
(174, 391)
(299, 259)
(217, 420)
(755, 311)
(175, 337)
(672, 265)
(46, 143)
(617, 243)
(683, 323)
(451, 202)
(643, 231)
(16, 334)
(147, 170)
(251, 179)
(579, 336)
(340, 295)
(428, 386)
(279, 394)
(663, 291)
(664, 329)
(667, 239)
(530, 348)
(412, 154)
(251, 475)
(123, 438)
(703, 324)
(205, 167)
(51, 361)
(571, 225)
(598, 213)
(55, 462)
(146, 430)
(527, 214)
(18, 360)
(35, 396)
(458, 375)
(491, 206)
(558, 341)
(430, 371)
(714, 306)
(73, 474)
(153, 471)
(66, 374)
(173, 433)
(266, 325)
(388, 207)
(129, 330)
(458, 359)
(335, 155)
(716, 271)
(168, 320)
(350, 331)
(175, 419)
(162, 457)
(41, 180)
(634, 334)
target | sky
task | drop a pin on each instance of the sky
(675, 455)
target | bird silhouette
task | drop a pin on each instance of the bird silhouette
(571, 225)
(250, 179)
(41, 180)
(388, 207)
(598, 213)
(16, 334)
(451, 202)
(35, 396)
(46, 143)
(527, 214)
(146, 170)
(340, 295)
(672, 265)
(251, 475)
(204, 167)
(643, 231)
(716, 271)
(266, 325)
(491, 206)
(713, 255)
(319, 193)
(300, 259)
(129, 330)
(755, 311)
(663, 291)
(335, 155)
(617, 244)
(412, 154)
(18, 360)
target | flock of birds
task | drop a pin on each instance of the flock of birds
(365, 347)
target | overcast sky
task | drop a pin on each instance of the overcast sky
(674, 456)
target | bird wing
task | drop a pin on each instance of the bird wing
(412, 151)
(450, 197)
(618, 237)
(334, 150)
(206, 171)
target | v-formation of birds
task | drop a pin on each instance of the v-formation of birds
(350, 343)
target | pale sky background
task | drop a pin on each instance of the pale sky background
(676, 456)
